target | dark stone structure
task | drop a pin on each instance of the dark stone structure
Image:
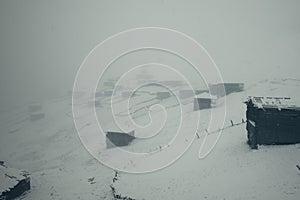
(163, 95)
(13, 182)
(99, 94)
(108, 93)
(35, 108)
(109, 83)
(126, 93)
(36, 112)
(272, 120)
(36, 116)
(96, 103)
(173, 83)
(190, 93)
(202, 103)
(217, 89)
(118, 139)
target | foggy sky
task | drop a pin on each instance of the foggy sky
(42, 43)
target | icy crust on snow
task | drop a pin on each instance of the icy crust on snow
(61, 168)
(232, 170)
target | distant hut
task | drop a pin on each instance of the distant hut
(115, 138)
(108, 93)
(35, 108)
(204, 101)
(126, 93)
(163, 95)
(144, 76)
(99, 94)
(76, 94)
(190, 93)
(173, 83)
(217, 89)
(144, 81)
(36, 116)
(36, 112)
(109, 83)
(272, 120)
(95, 103)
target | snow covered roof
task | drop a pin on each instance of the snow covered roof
(274, 102)
(205, 95)
(131, 133)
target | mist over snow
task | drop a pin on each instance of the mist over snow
(42, 46)
(43, 42)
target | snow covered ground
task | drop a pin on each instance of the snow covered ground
(232, 170)
(43, 44)
(61, 168)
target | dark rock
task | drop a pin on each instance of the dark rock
(13, 182)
